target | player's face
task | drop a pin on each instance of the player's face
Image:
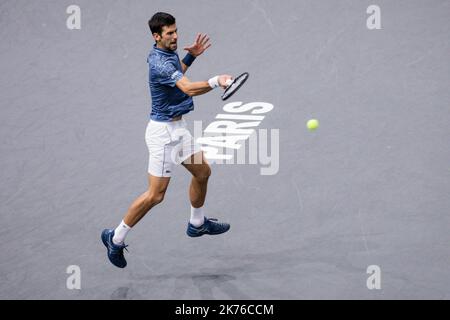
(168, 39)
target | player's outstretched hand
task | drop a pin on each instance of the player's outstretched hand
(200, 45)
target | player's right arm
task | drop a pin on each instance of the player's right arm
(193, 89)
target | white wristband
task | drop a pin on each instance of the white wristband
(214, 82)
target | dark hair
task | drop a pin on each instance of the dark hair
(160, 20)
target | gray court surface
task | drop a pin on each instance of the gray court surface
(370, 187)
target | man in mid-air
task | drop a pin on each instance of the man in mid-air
(168, 140)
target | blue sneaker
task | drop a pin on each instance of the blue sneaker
(115, 252)
(211, 227)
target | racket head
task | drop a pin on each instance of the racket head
(237, 83)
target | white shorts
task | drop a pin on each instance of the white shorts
(169, 144)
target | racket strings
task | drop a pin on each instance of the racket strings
(237, 83)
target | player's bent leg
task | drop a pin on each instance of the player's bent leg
(140, 207)
(146, 201)
(198, 166)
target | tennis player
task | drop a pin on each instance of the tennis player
(168, 140)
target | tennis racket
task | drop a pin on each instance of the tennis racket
(235, 85)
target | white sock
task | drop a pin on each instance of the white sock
(120, 233)
(197, 217)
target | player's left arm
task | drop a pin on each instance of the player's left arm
(200, 45)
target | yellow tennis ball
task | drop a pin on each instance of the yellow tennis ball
(312, 124)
